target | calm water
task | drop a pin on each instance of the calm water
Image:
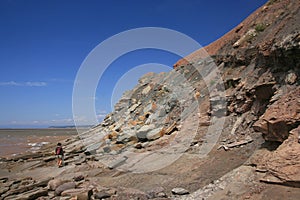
(15, 141)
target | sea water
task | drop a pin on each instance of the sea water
(17, 141)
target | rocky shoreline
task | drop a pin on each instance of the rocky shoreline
(36, 176)
(175, 137)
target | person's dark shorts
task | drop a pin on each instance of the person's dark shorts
(59, 156)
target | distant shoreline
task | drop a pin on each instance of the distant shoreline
(84, 126)
(14, 141)
(39, 131)
(47, 128)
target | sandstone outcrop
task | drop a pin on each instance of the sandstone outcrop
(283, 164)
(164, 134)
(281, 117)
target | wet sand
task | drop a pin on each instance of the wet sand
(16, 141)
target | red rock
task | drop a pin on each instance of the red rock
(283, 165)
(263, 41)
(280, 117)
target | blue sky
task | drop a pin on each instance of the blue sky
(43, 44)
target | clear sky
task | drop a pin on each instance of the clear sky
(43, 44)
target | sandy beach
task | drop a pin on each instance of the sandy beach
(16, 141)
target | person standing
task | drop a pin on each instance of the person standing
(59, 152)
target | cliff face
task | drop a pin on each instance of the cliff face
(220, 126)
(259, 62)
(259, 34)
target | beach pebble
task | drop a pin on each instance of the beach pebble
(157, 192)
(78, 178)
(64, 187)
(76, 192)
(180, 191)
(53, 184)
(101, 195)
